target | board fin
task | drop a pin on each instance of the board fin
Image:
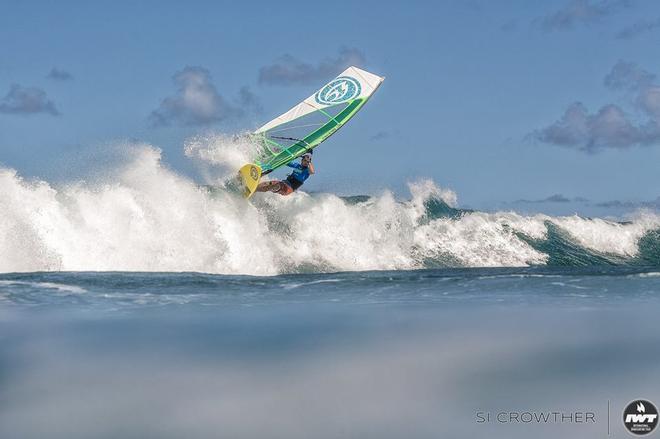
(249, 175)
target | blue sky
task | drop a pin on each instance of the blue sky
(499, 101)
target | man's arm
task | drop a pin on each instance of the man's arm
(311, 168)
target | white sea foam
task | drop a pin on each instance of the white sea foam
(478, 240)
(608, 236)
(218, 155)
(62, 288)
(149, 218)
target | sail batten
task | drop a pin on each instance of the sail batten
(309, 123)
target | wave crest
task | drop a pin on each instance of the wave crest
(152, 219)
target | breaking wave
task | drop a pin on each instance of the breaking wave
(152, 219)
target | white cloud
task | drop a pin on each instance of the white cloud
(578, 12)
(611, 126)
(288, 70)
(27, 100)
(196, 101)
(59, 75)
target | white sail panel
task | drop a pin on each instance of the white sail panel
(351, 84)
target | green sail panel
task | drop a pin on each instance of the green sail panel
(309, 123)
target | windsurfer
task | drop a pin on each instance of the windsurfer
(301, 172)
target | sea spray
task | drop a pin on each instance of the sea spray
(218, 156)
(146, 217)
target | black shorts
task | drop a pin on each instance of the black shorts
(293, 182)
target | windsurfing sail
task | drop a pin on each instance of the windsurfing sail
(312, 121)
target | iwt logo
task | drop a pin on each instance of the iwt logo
(640, 417)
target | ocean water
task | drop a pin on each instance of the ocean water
(385, 354)
(144, 304)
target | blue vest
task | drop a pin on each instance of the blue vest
(299, 175)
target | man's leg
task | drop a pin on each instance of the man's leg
(266, 186)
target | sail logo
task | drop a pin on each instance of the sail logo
(640, 417)
(254, 173)
(339, 90)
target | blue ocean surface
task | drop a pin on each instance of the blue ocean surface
(387, 354)
(128, 292)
